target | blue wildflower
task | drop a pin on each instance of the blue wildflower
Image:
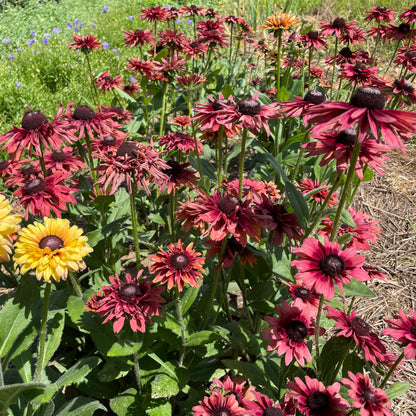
(18, 84)
(6, 41)
(56, 30)
(11, 57)
(105, 10)
(105, 45)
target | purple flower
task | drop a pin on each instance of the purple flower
(30, 42)
(56, 30)
(76, 22)
(6, 41)
(105, 10)
(105, 45)
(69, 25)
(81, 24)
(35, 51)
(179, 21)
(33, 32)
(94, 25)
(47, 35)
(131, 18)
(18, 84)
(115, 50)
(189, 22)
(131, 78)
(76, 30)
(11, 57)
(45, 41)
(19, 48)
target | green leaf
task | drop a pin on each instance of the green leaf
(55, 328)
(280, 171)
(124, 348)
(76, 307)
(189, 298)
(397, 389)
(122, 405)
(201, 338)
(298, 203)
(78, 371)
(284, 94)
(227, 91)
(10, 393)
(17, 313)
(114, 368)
(356, 288)
(164, 386)
(332, 353)
(160, 409)
(251, 371)
(80, 406)
(44, 397)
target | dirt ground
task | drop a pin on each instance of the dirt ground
(392, 201)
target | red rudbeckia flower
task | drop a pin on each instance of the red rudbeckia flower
(314, 399)
(105, 82)
(366, 108)
(380, 14)
(219, 405)
(288, 333)
(304, 298)
(317, 192)
(154, 14)
(321, 265)
(178, 265)
(86, 43)
(409, 15)
(132, 299)
(138, 37)
(404, 330)
(63, 159)
(369, 400)
(180, 141)
(237, 386)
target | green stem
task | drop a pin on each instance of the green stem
(1, 375)
(42, 160)
(346, 190)
(183, 337)
(220, 134)
(393, 367)
(134, 224)
(393, 56)
(242, 282)
(376, 45)
(318, 319)
(75, 284)
(334, 64)
(347, 350)
(162, 117)
(241, 169)
(301, 152)
(93, 87)
(42, 334)
(224, 295)
(137, 371)
(214, 285)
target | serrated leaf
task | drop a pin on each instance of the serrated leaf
(78, 371)
(201, 338)
(122, 404)
(80, 406)
(17, 313)
(123, 348)
(397, 389)
(10, 393)
(298, 203)
(164, 386)
(356, 288)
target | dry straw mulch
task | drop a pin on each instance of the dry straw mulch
(392, 201)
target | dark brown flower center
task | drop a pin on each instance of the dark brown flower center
(34, 186)
(179, 261)
(346, 52)
(182, 135)
(313, 34)
(4, 164)
(174, 170)
(234, 245)
(51, 241)
(381, 9)
(318, 402)
(33, 120)
(273, 411)
(303, 293)
(58, 156)
(127, 149)
(228, 204)
(107, 78)
(370, 396)
(221, 412)
(314, 97)
(249, 107)
(220, 104)
(129, 292)
(332, 265)
(358, 67)
(360, 326)
(296, 331)
(370, 98)
(108, 141)
(413, 9)
(405, 86)
(404, 28)
(410, 54)
(346, 137)
(339, 23)
(413, 330)
(28, 170)
(83, 112)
